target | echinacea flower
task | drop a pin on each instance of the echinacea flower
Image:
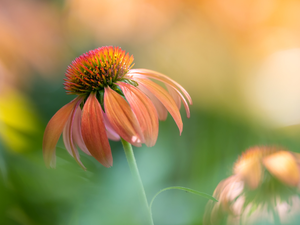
(264, 189)
(113, 101)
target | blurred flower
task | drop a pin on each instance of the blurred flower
(264, 187)
(113, 101)
(18, 120)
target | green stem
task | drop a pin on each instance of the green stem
(135, 172)
(182, 189)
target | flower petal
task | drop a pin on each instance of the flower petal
(111, 133)
(250, 170)
(171, 84)
(177, 96)
(165, 99)
(68, 137)
(54, 129)
(122, 118)
(77, 135)
(283, 166)
(226, 192)
(94, 133)
(160, 108)
(144, 111)
(174, 95)
(161, 77)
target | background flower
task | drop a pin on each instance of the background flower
(264, 187)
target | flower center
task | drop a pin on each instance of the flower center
(97, 69)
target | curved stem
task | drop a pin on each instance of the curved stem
(135, 173)
(192, 191)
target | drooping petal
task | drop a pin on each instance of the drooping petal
(94, 133)
(162, 112)
(144, 110)
(226, 192)
(68, 137)
(54, 129)
(177, 96)
(165, 99)
(122, 118)
(111, 133)
(161, 77)
(171, 84)
(250, 170)
(77, 135)
(283, 166)
(174, 95)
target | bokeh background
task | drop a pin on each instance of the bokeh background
(239, 60)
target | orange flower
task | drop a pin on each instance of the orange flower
(281, 164)
(113, 101)
(265, 185)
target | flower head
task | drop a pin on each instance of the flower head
(112, 101)
(266, 180)
(280, 164)
(97, 69)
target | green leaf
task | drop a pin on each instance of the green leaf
(202, 194)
